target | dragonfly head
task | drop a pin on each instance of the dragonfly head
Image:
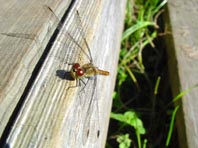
(77, 71)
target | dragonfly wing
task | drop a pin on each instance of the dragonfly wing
(91, 110)
(76, 34)
(83, 120)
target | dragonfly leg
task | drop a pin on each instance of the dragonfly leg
(84, 83)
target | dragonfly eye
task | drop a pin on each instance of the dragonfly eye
(80, 72)
(76, 66)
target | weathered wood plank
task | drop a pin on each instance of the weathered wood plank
(19, 56)
(55, 115)
(183, 58)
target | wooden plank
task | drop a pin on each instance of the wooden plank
(56, 115)
(19, 56)
(183, 57)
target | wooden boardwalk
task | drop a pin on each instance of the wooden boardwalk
(182, 48)
(38, 108)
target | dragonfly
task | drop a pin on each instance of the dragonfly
(85, 71)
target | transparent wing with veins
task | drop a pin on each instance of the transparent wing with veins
(91, 102)
(89, 80)
(91, 126)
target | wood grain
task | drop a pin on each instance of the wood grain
(183, 57)
(53, 113)
(18, 55)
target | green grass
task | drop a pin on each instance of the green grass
(143, 105)
(143, 113)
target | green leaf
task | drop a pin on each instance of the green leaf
(124, 141)
(136, 27)
(130, 118)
